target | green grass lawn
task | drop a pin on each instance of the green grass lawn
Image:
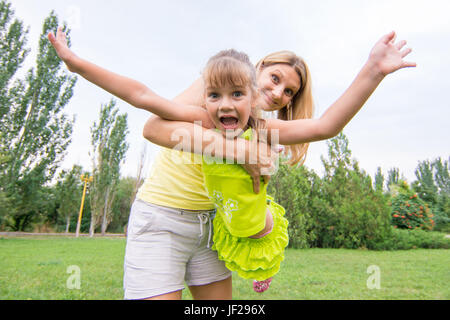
(37, 268)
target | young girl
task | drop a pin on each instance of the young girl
(386, 57)
(250, 232)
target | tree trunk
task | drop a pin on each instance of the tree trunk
(92, 226)
(105, 211)
(67, 224)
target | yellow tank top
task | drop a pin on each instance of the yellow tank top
(176, 181)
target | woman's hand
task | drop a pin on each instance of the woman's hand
(59, 42)
(387, 55)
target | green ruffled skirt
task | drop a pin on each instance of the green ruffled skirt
(257, 259)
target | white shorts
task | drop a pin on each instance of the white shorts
(167, 247)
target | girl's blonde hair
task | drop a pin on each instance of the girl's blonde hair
(301, 105)
(233, 68)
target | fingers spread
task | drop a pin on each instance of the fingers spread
(400, 44)
(388, 37)
(408, 64)
(405, 52)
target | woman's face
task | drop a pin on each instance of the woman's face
(278, 84)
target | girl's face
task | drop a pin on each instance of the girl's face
(278, 84)
(229, 108)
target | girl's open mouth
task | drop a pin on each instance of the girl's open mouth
(229, 122)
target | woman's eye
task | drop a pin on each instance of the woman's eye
(275, 78)
(289, 92)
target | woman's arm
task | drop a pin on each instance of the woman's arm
(386, 57)
(129, 90)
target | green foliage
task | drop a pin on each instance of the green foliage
(68, 192)
(35, 131)
(295, 189)
(408, 210)
(433, 186)
(393, 177)
(405, 239)
(352, 214)
(341, 210)
(122, 204)
(109, 148)
(13, 38)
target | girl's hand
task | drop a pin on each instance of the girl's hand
(387, 55)
(62, 49)
(261, 163)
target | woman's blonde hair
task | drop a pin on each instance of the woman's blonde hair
(233, 68)
(301, 105)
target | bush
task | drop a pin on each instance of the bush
(295, 189)
(408, 210)
(402, 239)
(340, 210)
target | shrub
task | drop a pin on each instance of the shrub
(408, 210)
(294, 188)
(402, 239)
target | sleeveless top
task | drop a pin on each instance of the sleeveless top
(176, 181)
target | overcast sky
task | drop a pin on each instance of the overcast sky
(165, 44)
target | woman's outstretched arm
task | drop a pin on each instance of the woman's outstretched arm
(386, 57)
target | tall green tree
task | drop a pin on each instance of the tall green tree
(13, 38)
(12, 55)
(379, 180)
(393, 178)
(350, 213)
(433, 186)
(297, 189)
(68, 194)
(36, 131)
(109, 146)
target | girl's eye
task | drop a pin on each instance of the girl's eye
(213, 95)
(237, 94)
(275, 78)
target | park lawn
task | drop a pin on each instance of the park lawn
(37, 268)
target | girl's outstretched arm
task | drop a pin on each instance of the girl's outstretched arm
(386, 57)
(129, 90)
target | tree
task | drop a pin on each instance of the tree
(121, 206)
(68, 193)
(409, 211)
(108, 139)
(425, 185)
(349, 213)
(433, 186)
(36, 132)
(379, 180)
(12, 55)
(393, 177)
(296, 189)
